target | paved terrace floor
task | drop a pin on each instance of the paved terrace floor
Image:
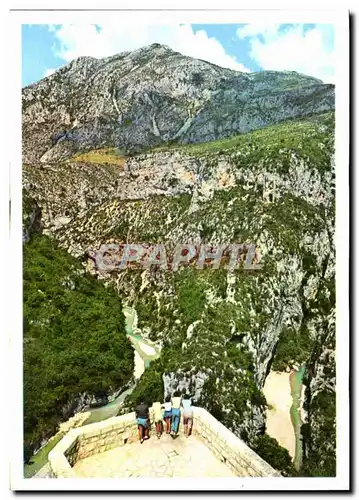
(164, 457)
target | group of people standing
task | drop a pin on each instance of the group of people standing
(168, 412)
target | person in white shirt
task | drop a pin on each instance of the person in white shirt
(157, 408)
(176, 413)
(187, 415)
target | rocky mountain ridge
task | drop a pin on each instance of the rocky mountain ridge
(271, 162)
(153, 95)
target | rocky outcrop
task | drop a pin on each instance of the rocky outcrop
(185, 383)
(82, 402)
(154, 95)
(31, 220)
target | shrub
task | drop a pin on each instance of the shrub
(278, 457)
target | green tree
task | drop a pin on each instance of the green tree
(277, 456)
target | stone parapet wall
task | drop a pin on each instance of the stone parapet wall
(114, 432)
(228, 448)
(89, 440)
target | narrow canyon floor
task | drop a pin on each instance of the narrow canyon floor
(279, 425)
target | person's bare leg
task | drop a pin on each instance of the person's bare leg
(140, 432)
(190, 424)
(185, 426)
(176, 425)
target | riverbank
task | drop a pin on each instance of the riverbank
(284, 393)
(296, 411)
(279, 398)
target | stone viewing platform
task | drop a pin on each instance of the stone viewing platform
(111, 449)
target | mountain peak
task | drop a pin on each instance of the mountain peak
(156, 46)
(152, 95)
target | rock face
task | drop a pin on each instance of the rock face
(154, 95)
(31, 217)
(219, 331)
(191, 384)
(84, 401)
(319, 431)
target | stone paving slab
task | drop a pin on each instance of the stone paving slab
(164, 457)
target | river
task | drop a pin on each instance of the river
(284, 394)
(297, 392)
(145, 352)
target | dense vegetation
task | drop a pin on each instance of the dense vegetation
(74, 338)
(150, 389)
(303, 137)
(319, 432)
(294, 347)
(110, 156)
(277, 456)
(320, 459)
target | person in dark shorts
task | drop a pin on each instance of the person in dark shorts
(143, 420)
(168, 413)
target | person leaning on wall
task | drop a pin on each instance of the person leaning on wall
(176, 413)
(143, 420)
